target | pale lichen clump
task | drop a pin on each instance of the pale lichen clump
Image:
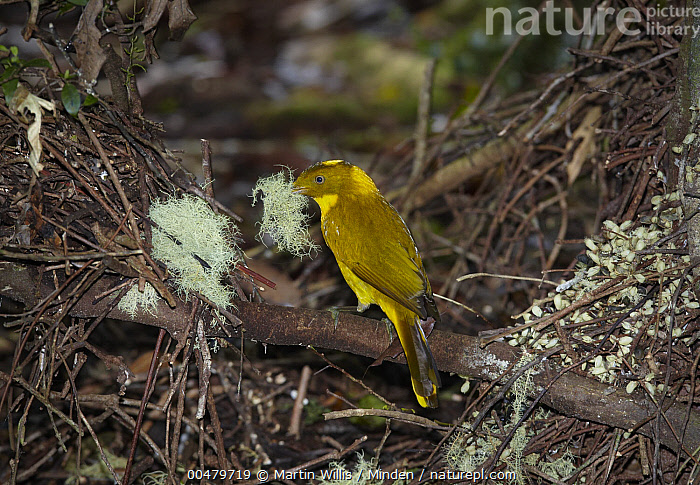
(363, 473)
(197, 245)
(134, 300)
(467, 452)
(629, 256)
(284, 217)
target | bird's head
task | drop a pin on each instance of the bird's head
(333, 178)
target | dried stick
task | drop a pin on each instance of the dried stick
(206, 168)
(386, 413)
(422, 128)
(216, 424)
(295, 420)
(148, 388)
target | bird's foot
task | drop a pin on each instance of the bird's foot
(335, 311)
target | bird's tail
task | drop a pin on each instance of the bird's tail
(421, 363)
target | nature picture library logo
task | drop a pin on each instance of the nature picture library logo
(628, 20)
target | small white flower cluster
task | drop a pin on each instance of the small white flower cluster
(628, 259)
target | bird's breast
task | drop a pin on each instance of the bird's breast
(326, 202)
(331, 230)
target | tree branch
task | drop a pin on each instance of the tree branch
(571, 395)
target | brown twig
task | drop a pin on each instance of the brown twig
(148, 389)
(295, 420)
(206, 168)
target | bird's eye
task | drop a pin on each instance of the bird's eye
(320, 179)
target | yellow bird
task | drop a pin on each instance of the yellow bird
(378, 259)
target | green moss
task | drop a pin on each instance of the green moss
(97, 470)
(370, 422)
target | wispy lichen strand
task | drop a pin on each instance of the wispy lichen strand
(134, 300)
(284, 218)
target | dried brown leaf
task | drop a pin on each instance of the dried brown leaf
(154, 12)
(21, 100)
(180, 18)
(86, 39)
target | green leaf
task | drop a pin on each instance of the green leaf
(65, 8)
(37, 63)
(9, 88)
(14, 50)
(71, 99)
(9, 72)
(89, 100)
(79, 3)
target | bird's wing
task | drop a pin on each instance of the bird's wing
(380, 252)
(396, 275)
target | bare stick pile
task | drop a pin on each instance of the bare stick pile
(575, 185)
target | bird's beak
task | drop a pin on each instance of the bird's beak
(298, 190)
